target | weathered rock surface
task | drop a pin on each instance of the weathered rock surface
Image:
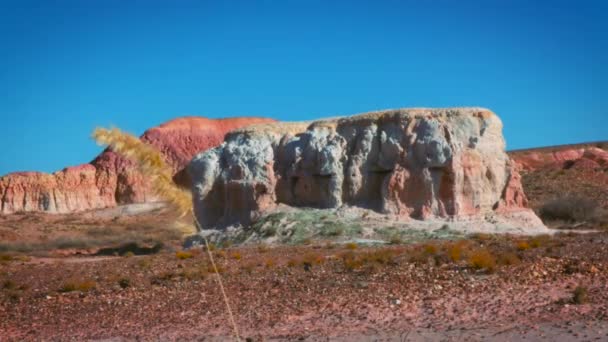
(575, 156)
(426, 164)
(111, 179)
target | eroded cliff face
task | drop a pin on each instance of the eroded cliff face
(410, 163)
(111, 179)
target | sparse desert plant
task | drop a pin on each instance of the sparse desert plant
(262, 248)
(9, 285)
(580, 295)
(124, 282)
(380, 256)
(508, 259)
(456, 251)
(182, 255)
(430, 249)
(395, 240)
(144, 263)
(522, 245)
(82, 286)
(150, 162)
(482, 259)
(351, 261)
(569, 209)
(6, 257)
(236, 255)
(351, 246)
(313, 259)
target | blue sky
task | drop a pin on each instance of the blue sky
(69, 66)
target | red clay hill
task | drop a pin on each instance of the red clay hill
(110, 179)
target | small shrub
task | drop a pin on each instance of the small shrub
(128, 254)
(144, 263)
(395, 240)
(580, 295)
(211, 247)
(482, 259)
(569, 209)
(351, 246)
(313, 259)
(220, 269)
(182, 255)
(522, 245)
(6, 257)
(124, 283)
(236, 256)
(292, 262)
(481, 237)
(456, 251)
(430, 249)
(351, 261)
(329, 245)
(9, 285)
(82, 286)
(508, 259)
(539, 241)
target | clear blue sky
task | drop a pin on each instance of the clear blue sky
(68, 66)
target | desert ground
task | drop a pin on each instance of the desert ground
(121, 275)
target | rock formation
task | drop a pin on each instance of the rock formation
(111, 179)
(562, 157)
(444, 164)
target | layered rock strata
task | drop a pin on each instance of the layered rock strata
(419, 164)
(110, 179)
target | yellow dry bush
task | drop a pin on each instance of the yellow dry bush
(151, 164)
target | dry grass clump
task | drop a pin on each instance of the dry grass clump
(522, 245)
(482, 259)
(381, 256)
(236, 255)
(456, 251)
(82, 286)
(508, 259)
(183, 255)
(124, 283)
(580, 295)
(151, 164)
(351, 246)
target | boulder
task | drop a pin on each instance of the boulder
(413, 164)
(110, 179)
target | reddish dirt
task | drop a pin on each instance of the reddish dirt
(275, 294)
(311, 293)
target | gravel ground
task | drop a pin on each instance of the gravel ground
(317, 293)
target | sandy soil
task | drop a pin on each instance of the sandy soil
(316, 293)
